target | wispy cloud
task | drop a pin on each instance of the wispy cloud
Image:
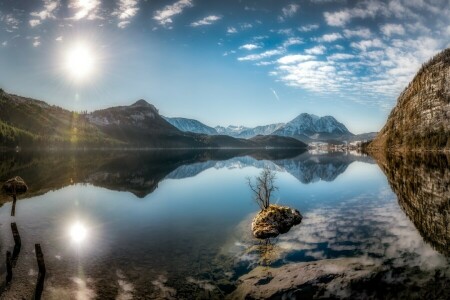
(36, 41)
(292, 41)
(206, 21)
(249, 47)
(392, 29)
(330, 37)
(307, 28)
(231, 30)
(126, 10)
(288, 11)
(266, 54)
(367, 44)
(85, 9)
(317, 50)
(340, 56)
(34, 22)
(294, 58)
(165, 15)
(11, 22)
(360, 32)
(50, 6)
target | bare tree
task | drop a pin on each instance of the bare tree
(263, 187)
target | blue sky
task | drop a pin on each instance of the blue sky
(224, 62)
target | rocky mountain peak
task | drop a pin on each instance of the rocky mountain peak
(421, 118)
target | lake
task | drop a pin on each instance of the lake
(176, 225)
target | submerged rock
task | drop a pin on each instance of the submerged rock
(275, 220)
(15, 185)
(330, 278)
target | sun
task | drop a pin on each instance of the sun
(80, 61)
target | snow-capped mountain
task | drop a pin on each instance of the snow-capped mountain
(305, 127)
(311, 127)
(191, 125)
(231, 130)
(260, 130)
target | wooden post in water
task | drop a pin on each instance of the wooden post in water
(8, 267)
(40, 258)
(13, 208)
(16, 234)
(42, 270)
(17, 244)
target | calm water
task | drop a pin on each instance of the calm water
(176, 225)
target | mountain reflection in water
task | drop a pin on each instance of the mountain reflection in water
(176, 224)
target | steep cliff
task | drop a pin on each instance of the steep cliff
(421, 118)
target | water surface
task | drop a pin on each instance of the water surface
(172, 225)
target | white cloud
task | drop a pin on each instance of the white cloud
(367, 44)
(392, 29)
(11, 22)
(245, 26)
(285, 31)
(50, 6)
(59, 39)
(363, 9)
(231, 30)
(4, 43)
(339, 18)
(294, 58)
(308, 28)
(292, 41)
(317, 50)
(206, 21)
(36, 41)
(249, 47)
(318, 76)
(125, 12)
(262, 55)
(340, 56)
(361, 33)
(85, 9)
(330, 37)
(165, 15)
(288, 11)
(34, 22)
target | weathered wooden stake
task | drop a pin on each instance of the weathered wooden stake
(40, 258)
(13, 208)
(8, 267)
(16, 234)
(41, 275)
(17, 244)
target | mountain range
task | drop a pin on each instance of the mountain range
(28, 122)
(305, 127)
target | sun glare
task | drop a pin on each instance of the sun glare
(78, 232)
(80, 61)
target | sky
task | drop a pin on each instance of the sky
(239, 62)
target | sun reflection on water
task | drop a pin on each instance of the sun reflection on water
(78, 232)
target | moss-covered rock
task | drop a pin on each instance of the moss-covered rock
(275, 220)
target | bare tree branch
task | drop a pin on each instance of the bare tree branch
(263, 187)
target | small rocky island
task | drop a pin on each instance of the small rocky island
(273, 219)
